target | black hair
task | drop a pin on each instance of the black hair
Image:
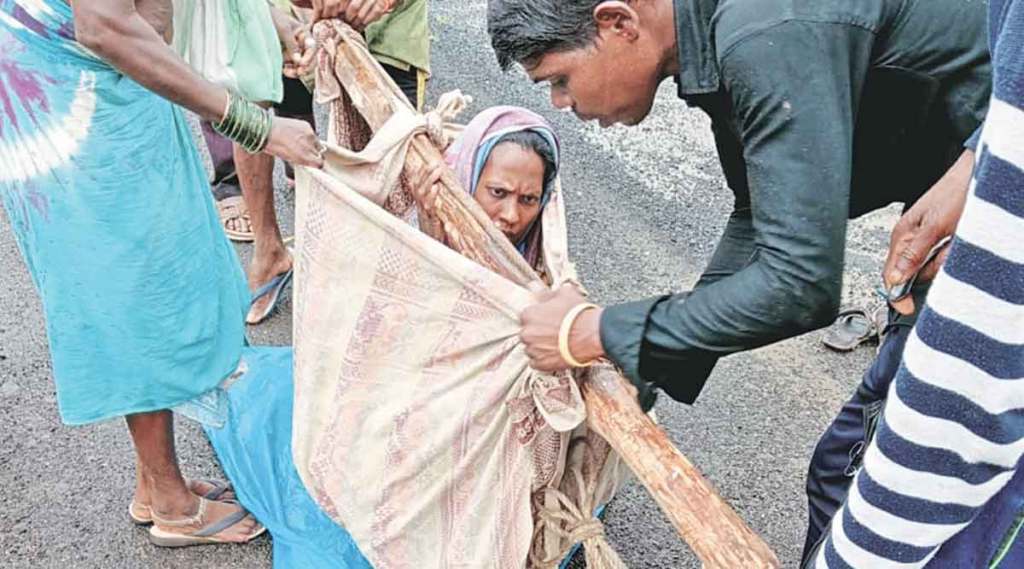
(523, 31)
(533, 140)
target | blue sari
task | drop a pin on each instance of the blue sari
(253, 442)
(143, 295)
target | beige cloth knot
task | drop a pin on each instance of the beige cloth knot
(439, 122)
(374, 171)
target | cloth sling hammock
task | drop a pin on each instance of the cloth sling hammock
(418, 424)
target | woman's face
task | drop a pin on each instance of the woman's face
(510, 187)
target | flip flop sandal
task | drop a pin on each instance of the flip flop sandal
(233, 209)
(205, 534)
(142, 515)
(274, 288)
(852, 328)
(139, 514)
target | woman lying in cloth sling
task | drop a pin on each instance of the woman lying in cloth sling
(507, 158)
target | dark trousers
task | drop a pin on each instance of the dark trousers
(407, 81)
(839, 452)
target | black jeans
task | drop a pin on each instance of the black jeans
(839, 452)
(407, 81)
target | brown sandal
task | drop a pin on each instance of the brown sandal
(233, 211)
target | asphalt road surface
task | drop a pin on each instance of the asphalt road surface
(645, 208)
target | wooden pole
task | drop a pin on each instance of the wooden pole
(714, 531)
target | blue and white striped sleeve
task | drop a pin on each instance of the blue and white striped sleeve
(952, 434)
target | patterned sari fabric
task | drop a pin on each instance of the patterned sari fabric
(143, 296)
(418, 424)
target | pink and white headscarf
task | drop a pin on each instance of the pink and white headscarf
(469, 153)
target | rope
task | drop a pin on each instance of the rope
(573, 522)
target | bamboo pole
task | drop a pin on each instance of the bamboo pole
(715, 532)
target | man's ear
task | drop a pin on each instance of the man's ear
(618, 18)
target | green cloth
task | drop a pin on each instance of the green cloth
(821, 111)
(402, 38)
(232, 43)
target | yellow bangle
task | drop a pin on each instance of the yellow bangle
(566, 328)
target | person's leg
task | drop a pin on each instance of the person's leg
(160, 484)
(230, 206)
(140, 510)
(270, 257)
(839, 452)
(156, 464)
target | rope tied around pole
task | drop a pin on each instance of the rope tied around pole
(574, 522)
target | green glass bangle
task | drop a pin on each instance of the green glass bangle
(238, 120)
(228, 126)
(268, 125)
(259, 131)
(245, 127)
(246, 123)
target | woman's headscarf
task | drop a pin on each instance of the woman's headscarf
(468, 155)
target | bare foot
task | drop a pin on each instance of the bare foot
(265, 266)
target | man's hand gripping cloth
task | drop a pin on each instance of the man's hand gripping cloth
(419, 425)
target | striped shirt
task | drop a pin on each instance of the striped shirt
(952, 434)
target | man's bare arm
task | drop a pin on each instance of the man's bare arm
(115, 31)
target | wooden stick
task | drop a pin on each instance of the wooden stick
(374, 94)
(715, 532)
(718, 536)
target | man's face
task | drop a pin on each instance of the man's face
(614, 80)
